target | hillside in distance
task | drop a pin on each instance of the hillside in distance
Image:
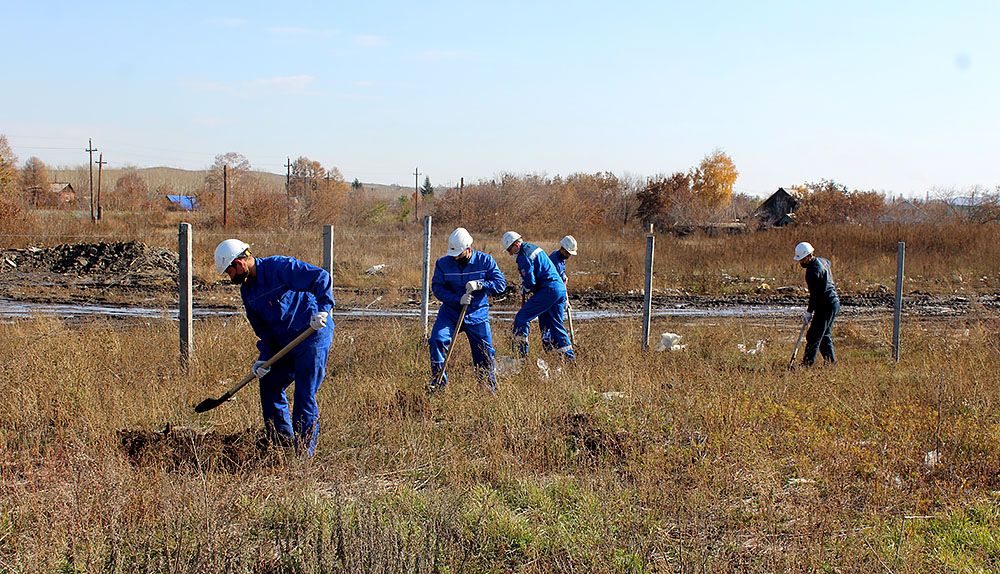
(189, 182)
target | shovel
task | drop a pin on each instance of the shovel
(569, 316)
(795, 351)
(209, 404)
(454, 339)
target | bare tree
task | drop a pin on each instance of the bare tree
(8, 169)
(35, 182)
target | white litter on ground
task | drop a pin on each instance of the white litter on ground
(506, 366)
(932, 459)
(543, 368)
(670, 342)
(611, 395)
(754, 351)
(375, 269)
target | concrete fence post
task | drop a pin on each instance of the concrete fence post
(647, 305)
(328, 250)
(425, 295)
(185, 306)
(897, 314)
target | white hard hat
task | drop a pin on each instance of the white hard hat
(802, 250)
(569, 244)
(459, 241)
(508, 239)
(227, 251)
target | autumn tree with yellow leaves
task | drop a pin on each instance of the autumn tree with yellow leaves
(712, 181)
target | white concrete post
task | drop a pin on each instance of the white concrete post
(897, 314)
(425, 296)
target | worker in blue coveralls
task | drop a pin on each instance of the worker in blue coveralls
(559, 257)
(283, 297)
(464, 277)
(540, 278)
(823, 304)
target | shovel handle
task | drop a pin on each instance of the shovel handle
(267, 364)
(569, 316)
(451, 346)
(795, 351)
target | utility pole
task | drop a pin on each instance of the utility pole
(100, 166)
(91, 149)
(225, 195)
(416, 192)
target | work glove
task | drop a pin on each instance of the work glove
(466, 299)
(259, 370)
(318, 321)
(473, 286)
(807, 316)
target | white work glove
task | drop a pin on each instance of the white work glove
(466, 299)
(318, 321)
(473, 286)
(807, 316)
(259, 370)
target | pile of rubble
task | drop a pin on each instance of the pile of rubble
(121, 260)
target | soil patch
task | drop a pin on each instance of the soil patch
(185, 449)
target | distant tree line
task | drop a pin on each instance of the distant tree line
(314, 193)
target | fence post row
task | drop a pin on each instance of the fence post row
(647, 305)
(897, 313)
(184, 310)
(425, 285)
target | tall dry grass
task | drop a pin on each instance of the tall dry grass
(702, 461)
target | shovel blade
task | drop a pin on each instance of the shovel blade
(207, 405)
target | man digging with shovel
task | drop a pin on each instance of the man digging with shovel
(540, 278)
(462, 280)
(284, 298)
(823, 304)
(559, 257)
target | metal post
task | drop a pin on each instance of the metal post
(184, 309)
(425, 295)
(328, 250)
(647, 305)
(898, 311)
(225, 196)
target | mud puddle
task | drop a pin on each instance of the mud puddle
(11, 310)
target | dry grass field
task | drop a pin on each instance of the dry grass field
(706, 460)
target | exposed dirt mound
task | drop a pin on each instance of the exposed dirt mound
(585, 435)
(181, 448)
(126, 261)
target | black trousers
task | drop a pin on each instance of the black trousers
(818, 337)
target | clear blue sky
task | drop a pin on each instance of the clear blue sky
(895, 96)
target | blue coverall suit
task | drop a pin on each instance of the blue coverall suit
(824, 305)
(279, 302)
(448, 285)
(539, 276)
(545, 320)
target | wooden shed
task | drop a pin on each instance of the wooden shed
(776, 210)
